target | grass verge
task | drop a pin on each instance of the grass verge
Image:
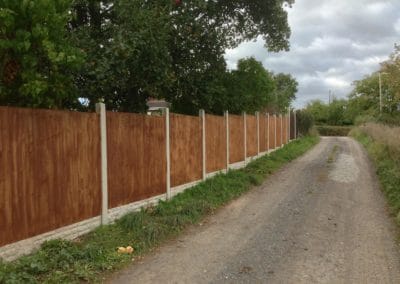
(94, 255)
(387, 167)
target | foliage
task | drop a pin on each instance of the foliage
(133, 50)
(329, 130)
(305, 122)
(284, 93)
(96, 254)
(250, 87)
(387, 165)
(36, 59)
(335, 113)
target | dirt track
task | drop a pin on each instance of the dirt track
(321, 219)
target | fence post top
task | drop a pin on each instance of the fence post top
(100, 107)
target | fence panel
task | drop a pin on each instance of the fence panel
(284, 129)
(278, 131)
(236, 138)
(136, 157)
(215, 143)
(50, 171)
(292, 123)
(186, 149)
(251, 127)
(271, 132)
(263, 133)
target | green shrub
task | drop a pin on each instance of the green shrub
(327, 130)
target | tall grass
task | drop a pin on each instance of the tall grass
(388, 136)
(383, 145)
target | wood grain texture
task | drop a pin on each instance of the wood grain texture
(236, 138)
(278, 131)
(215, 143)
(292, 124)
(186, 149)
(284, 129)
(50, 170)
(136, 157)
(251, 127)
(271, 131)
(263, 132)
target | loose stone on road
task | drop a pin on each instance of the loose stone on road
(320, 219)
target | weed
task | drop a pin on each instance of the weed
(96, 254)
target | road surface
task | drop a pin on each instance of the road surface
(320, 219)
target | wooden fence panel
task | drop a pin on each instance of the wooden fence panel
(271, 131)
(186, 149)
(292, 123)
(50, 171)
(284, 129)
(136, 157)
(263, 133)
(278, 131)
(215, 143)
(236, 138)
(251, 127)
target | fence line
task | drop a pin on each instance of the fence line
(94, 167)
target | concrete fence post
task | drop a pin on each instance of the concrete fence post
(203, 139)
(168, 152)
(226, 114)
(245, 136)
(101, 110)
(258, 132)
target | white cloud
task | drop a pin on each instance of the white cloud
(333, 43)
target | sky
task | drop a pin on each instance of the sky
(333, 43)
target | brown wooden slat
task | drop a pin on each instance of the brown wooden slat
(251, 125)
(215, 143)
(136, 157)
(271, 135)
(50, 170)
(236, 138)
(263, 132)
(278, 131)
(186, 149)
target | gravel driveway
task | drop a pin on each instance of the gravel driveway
(320, 219)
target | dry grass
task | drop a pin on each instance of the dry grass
(385, 135)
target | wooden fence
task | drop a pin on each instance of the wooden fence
(51, 161)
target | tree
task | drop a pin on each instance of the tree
(128, 56)
(250, 87)
(36, 60)
(179, 44)
(285, 91)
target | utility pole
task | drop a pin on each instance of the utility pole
(330, 94)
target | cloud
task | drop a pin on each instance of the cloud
(333, 43)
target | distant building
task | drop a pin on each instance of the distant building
(156, 106)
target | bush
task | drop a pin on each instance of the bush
(362, 119)
(305, 122)
(326, 130)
